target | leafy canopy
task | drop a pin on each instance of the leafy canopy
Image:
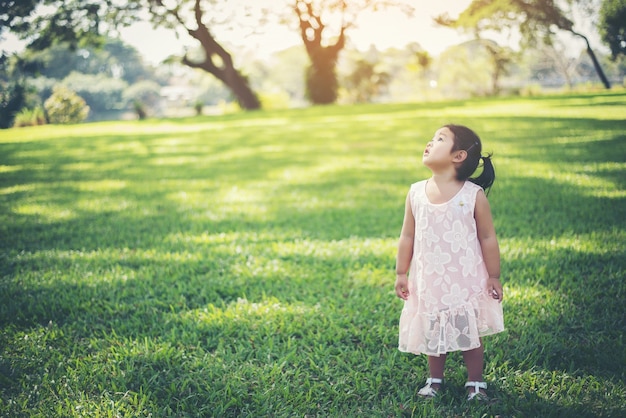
(613, 25)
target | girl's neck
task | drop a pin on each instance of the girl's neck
(440, 188)
(446, 178)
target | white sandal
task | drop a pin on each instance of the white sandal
(477, 393)
(428, 391)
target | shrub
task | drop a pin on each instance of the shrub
(140, 110)
(65, 106)
(30, 117)
(198, 106)
(144, 94)
(275, 100)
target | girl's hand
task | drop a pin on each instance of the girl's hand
(402, 286)
(494, 288)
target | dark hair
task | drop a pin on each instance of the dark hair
(465, 139)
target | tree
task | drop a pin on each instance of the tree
(365, 81)
(74, 22)
(550, 66)
(535, 20)
(321, 77)
(501, 58)
(81, 22)
(323, 45)
(98, 75)
(100, 92)
(217, 60)
(613, 26)
(113, 59)
(465, 71)
(410, 69)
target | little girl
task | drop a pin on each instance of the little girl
(449, 248)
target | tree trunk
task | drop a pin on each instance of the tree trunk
(596, 64)
(228, 74)
(240, 87)
(217, 61)
(322, 83)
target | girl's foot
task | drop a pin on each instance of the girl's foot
(476, 390)
(432, 387)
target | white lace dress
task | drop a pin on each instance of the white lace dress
(448, 308)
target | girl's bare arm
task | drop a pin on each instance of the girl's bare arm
(405, 251)
(489, 244)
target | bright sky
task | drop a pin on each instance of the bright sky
(383, 29)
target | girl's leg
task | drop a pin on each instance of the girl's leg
(436, 367)
(474, 361)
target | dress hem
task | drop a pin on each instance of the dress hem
(436, 354)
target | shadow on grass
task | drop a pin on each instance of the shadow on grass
(568, 313)
(525, 207)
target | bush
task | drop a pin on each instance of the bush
(12, 98)
(140, 110)
(30, 117)
(65, 106)
(145, 94)
(276, 100)
(101, 93)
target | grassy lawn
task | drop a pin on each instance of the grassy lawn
(243, 265)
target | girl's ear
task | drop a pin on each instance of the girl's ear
(459, 156)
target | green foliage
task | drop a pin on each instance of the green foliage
(535, 18)
(73, 22)
(30, 117)
(101, 93)
(271, 101)
(13, 12)
(98, 75)
(365, 82)
(12, 99)
(65, 106)
(119, 61)
(145, 92)
(140, 109)
(613, 25)
(465, 71)
(113, 59)
(243, 265)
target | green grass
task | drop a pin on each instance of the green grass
(243, 265)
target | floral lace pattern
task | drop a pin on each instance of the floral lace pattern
(448, 308)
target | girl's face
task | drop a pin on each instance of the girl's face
(439, 149)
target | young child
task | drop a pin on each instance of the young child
(449, 249)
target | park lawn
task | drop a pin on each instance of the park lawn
(243, 265)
